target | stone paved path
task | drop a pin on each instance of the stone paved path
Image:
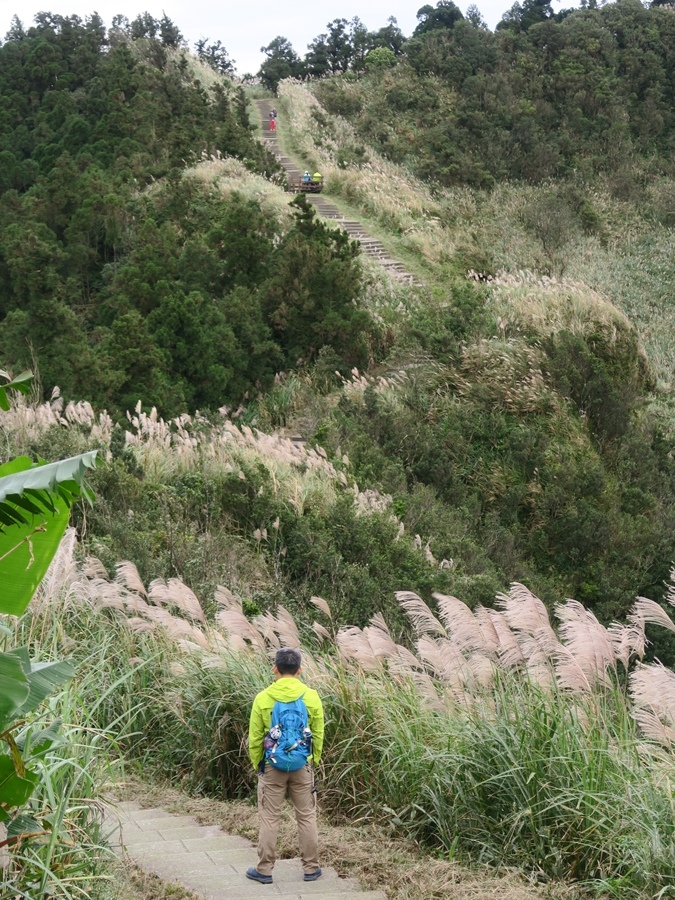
(370, 245)
(211, 862)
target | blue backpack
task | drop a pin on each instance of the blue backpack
(288, 743)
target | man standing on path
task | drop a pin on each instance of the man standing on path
(285, 739)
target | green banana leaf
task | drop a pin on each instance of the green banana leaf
(25, 684)
(34, 512)
(14, 688)
(14, 789)
(42, 678)
(21, 383)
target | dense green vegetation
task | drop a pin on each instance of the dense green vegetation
(531, 455)
(171, 293)
(511, 419)
(545, 95)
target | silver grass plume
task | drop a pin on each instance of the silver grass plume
(127, 575)
(523, 611)
(587, 640)
(354, 647)
(174, 593)
(287, 629)
(321, 604)
(237, 626)
(61, 573)
(508, 649)
(381, 643)
(645, 611)
(140, 626)
(652, 690)
(423, 620)
(94, 568)
(266, 624)
(444, 661)
(628, 641)
(225, 598)
(460, 623)
(570, 675)
(378, 621)
(322, 633)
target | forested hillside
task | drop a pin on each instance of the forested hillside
(297, 449)
(529, 172)
(121, 275)
(510, 427)
(545, 95)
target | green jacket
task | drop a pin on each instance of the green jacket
(286, 690)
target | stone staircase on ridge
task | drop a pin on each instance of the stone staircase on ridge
(369, 245)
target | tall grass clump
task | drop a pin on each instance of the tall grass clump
(63, 850)
(489, 733)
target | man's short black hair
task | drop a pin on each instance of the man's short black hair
(287, 661)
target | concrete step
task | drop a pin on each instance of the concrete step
(211, 862)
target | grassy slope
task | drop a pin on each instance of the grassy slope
(623, 252)
(288, 141)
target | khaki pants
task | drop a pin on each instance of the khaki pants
(272, 787)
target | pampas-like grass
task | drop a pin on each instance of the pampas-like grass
(461, 652)
(321, 604)
(235, 623)
(524, 612)
(127, 575)
(652, 690)
(460, 624)
(645, 611)
(321, 632)
(299, 474)
(423, 620)
(61, 575)
(588, 642)
(174, 593)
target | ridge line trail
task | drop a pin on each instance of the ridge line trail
(370, 246)
(212, 863)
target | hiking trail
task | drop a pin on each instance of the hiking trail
(210, 862)
(370, 245)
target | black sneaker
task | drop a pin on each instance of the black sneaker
(312, 876)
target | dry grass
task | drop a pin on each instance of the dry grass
(229, 176)
(375, 856)
(527, 302)
(200, 71)
(384, 191)
(132, 883)
(299, 474)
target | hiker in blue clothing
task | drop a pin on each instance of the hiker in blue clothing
(285, 740)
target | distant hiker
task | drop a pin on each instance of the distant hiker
(306, 177)
(273, 113)
(273, 124)
(285, 739)
(317, 176)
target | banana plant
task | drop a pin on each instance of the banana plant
(35, 502)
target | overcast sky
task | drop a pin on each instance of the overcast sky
(245, 26)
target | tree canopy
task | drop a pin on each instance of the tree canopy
(120, 275)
